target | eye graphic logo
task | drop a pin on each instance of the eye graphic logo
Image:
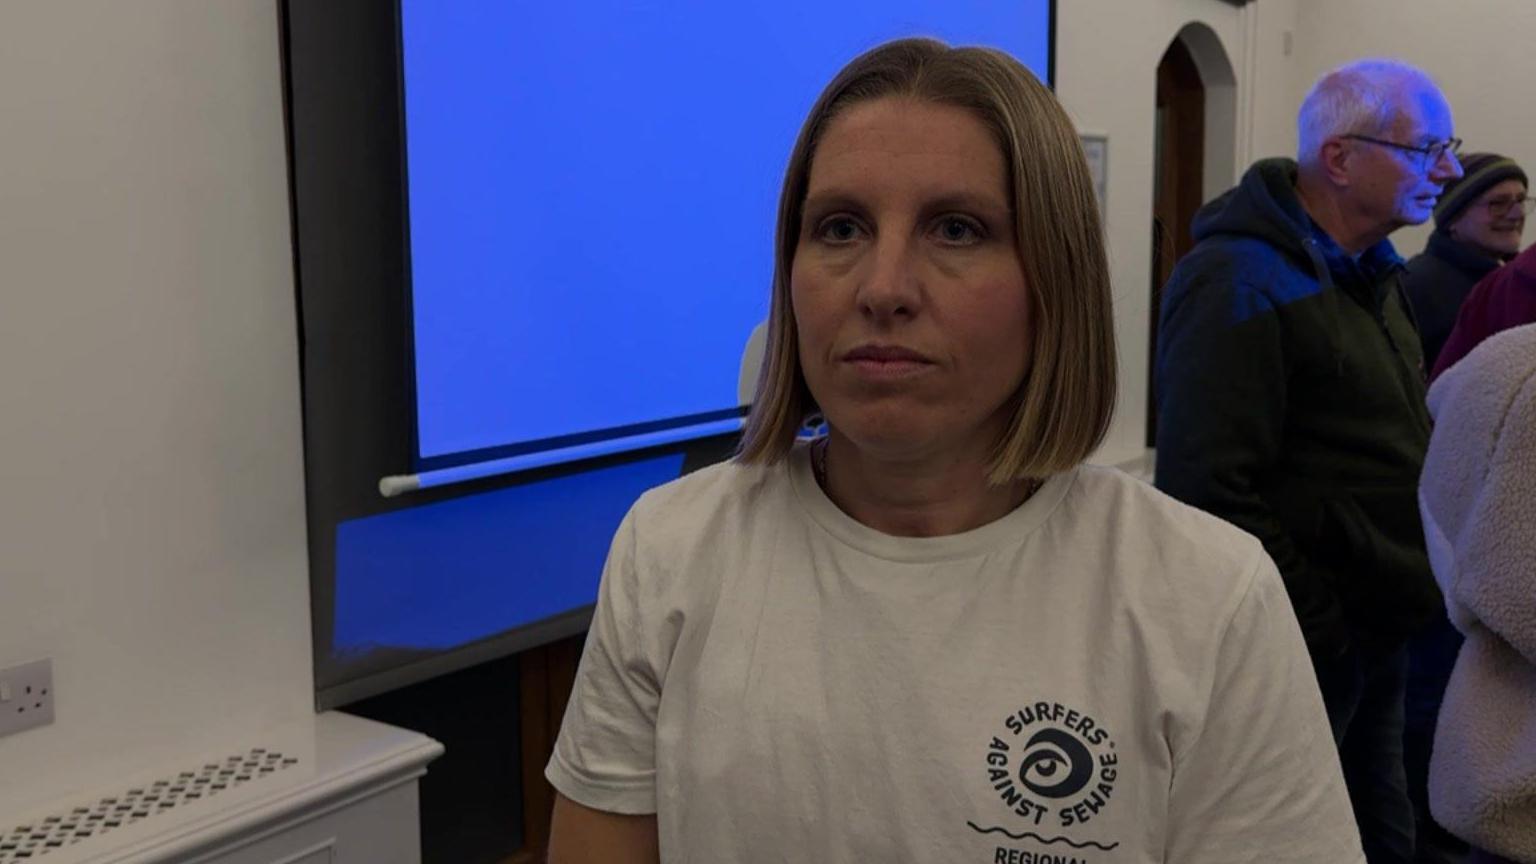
(1055, 764)
(1052, 766)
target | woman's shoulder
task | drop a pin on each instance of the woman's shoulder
(712, 503)
(724, 482)
(1182, 546)
(1147, 508)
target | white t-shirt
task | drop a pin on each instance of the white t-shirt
(1103, 675)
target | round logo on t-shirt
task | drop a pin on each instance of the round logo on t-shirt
(1053, 767)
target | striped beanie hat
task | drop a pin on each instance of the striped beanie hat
(1482, 172)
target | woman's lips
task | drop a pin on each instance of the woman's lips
(887, 362)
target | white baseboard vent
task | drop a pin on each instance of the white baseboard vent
(25, 844)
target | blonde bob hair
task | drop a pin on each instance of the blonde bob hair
(1063, 406)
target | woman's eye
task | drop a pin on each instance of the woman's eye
(839, 229)
(959, 230)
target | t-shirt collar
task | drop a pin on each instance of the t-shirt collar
(1011, 529)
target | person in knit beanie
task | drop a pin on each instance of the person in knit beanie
(1478, 223)
(1489, 178)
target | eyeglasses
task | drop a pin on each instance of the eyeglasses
(1505, 206)
(1429, 155)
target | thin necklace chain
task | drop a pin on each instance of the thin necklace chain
(819, 462)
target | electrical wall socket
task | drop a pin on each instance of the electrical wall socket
(26, 696)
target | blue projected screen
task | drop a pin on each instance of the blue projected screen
(592, 190)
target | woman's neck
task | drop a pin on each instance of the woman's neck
(916, 497)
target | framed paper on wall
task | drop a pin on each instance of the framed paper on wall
(1096, 148)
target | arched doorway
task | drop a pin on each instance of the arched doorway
(1194, 153)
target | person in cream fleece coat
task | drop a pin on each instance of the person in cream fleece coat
(1478, 497)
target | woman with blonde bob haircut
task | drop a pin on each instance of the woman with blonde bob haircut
(1064, 407)
(934, 633)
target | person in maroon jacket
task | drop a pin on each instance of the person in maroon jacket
(1504, 299)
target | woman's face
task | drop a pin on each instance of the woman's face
(1494, 221)
(907, 288)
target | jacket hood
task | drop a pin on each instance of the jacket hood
(1263, 205)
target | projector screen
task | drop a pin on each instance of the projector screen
(591, 197)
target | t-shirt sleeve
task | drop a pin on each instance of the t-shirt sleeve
(1261, 781)
(605, 756)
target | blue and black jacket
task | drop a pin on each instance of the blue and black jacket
(1290, 385)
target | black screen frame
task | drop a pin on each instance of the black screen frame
(344, 115)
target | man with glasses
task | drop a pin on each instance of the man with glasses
(1291, 398)
(1478, 223)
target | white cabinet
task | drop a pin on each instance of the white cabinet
(378, 829)
(333, 789)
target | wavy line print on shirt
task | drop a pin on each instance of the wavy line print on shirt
(1027, 835)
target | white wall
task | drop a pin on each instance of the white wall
(1276, 76)
(1106, 75)
(1480, 51)
(151, 489)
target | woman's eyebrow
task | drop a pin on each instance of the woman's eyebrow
(974, 201)
(836, 199)
(832, 199)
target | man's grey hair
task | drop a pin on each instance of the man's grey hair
(1359, 98)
